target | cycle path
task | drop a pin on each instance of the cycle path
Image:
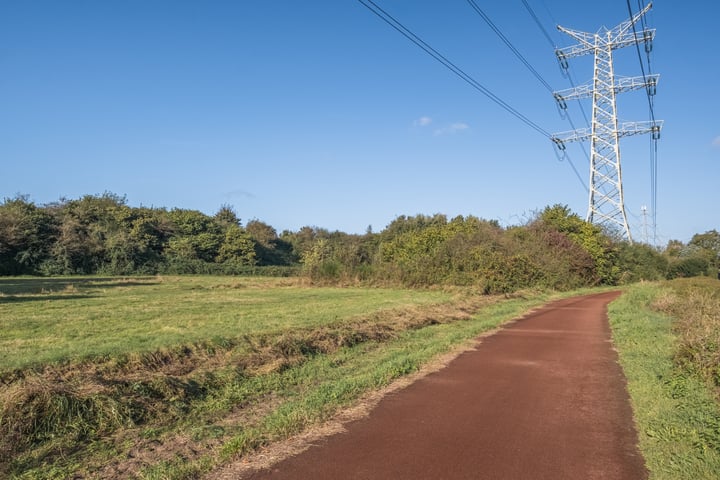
(543, 398)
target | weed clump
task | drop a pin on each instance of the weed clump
(695, 304)
(36, 410)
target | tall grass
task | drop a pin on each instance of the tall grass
(694, 303)
(677, 415)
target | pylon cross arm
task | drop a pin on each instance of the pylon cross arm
(625, 27)
(625, 129)
(622, 84)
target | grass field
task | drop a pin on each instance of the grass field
(169, 377)
(666, 338)
(53, 320)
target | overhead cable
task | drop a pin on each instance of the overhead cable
(566, 73)
(572, 82)
(654, 138)
(538, 23)
(390, 20)
(642, 65)
(509, 44)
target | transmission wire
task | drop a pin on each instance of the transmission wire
(554, 46)
(653, 140)
(537, 75)
(642, 65)
(390, 20)
(539, 24)
(509, 44)
(572, 82)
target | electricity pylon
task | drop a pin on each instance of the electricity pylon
(606, 204)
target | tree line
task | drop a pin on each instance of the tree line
(102, 234)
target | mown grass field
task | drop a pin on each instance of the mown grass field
(53, 320)
(170, 377)
(667, 338)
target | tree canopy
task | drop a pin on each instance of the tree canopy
(102, 234)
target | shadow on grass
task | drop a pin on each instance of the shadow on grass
(120, 283)
(35, 285)
(42, 298)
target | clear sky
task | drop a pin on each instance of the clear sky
(317, 113)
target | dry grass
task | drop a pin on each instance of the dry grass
(695, 306)
(39, 409)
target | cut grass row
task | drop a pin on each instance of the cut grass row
(676, 409)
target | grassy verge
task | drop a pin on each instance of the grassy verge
(695, 304)
(676, 412)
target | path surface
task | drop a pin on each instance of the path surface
(544, 398)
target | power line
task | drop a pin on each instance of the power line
(648, 45)
(654, 138)
(516, 52)
(509, 44)
(390, 20)
(642, 65)
(641, 5)
(582, 109)
(567, 74)
(555, 22)
(653, 181)
(539, 24)
(563, 155)
(582, 182)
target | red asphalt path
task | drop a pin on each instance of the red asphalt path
(544, 398)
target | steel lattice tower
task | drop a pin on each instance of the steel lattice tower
(606, 204)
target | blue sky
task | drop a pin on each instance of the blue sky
(317, 113)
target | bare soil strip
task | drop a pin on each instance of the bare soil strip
(544, 398)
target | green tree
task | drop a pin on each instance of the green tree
(590, 237)
(693, 266)
(318, 261)
(26, 236)
(431, 250)
(85, 225)
(674, 248)
(196, 236)
(226, 216)
(641, 262)
(269, 248)
(137, 242)
(237, 247)
(708, 245)
(403, 224)
(303, 240)
(560, 262)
